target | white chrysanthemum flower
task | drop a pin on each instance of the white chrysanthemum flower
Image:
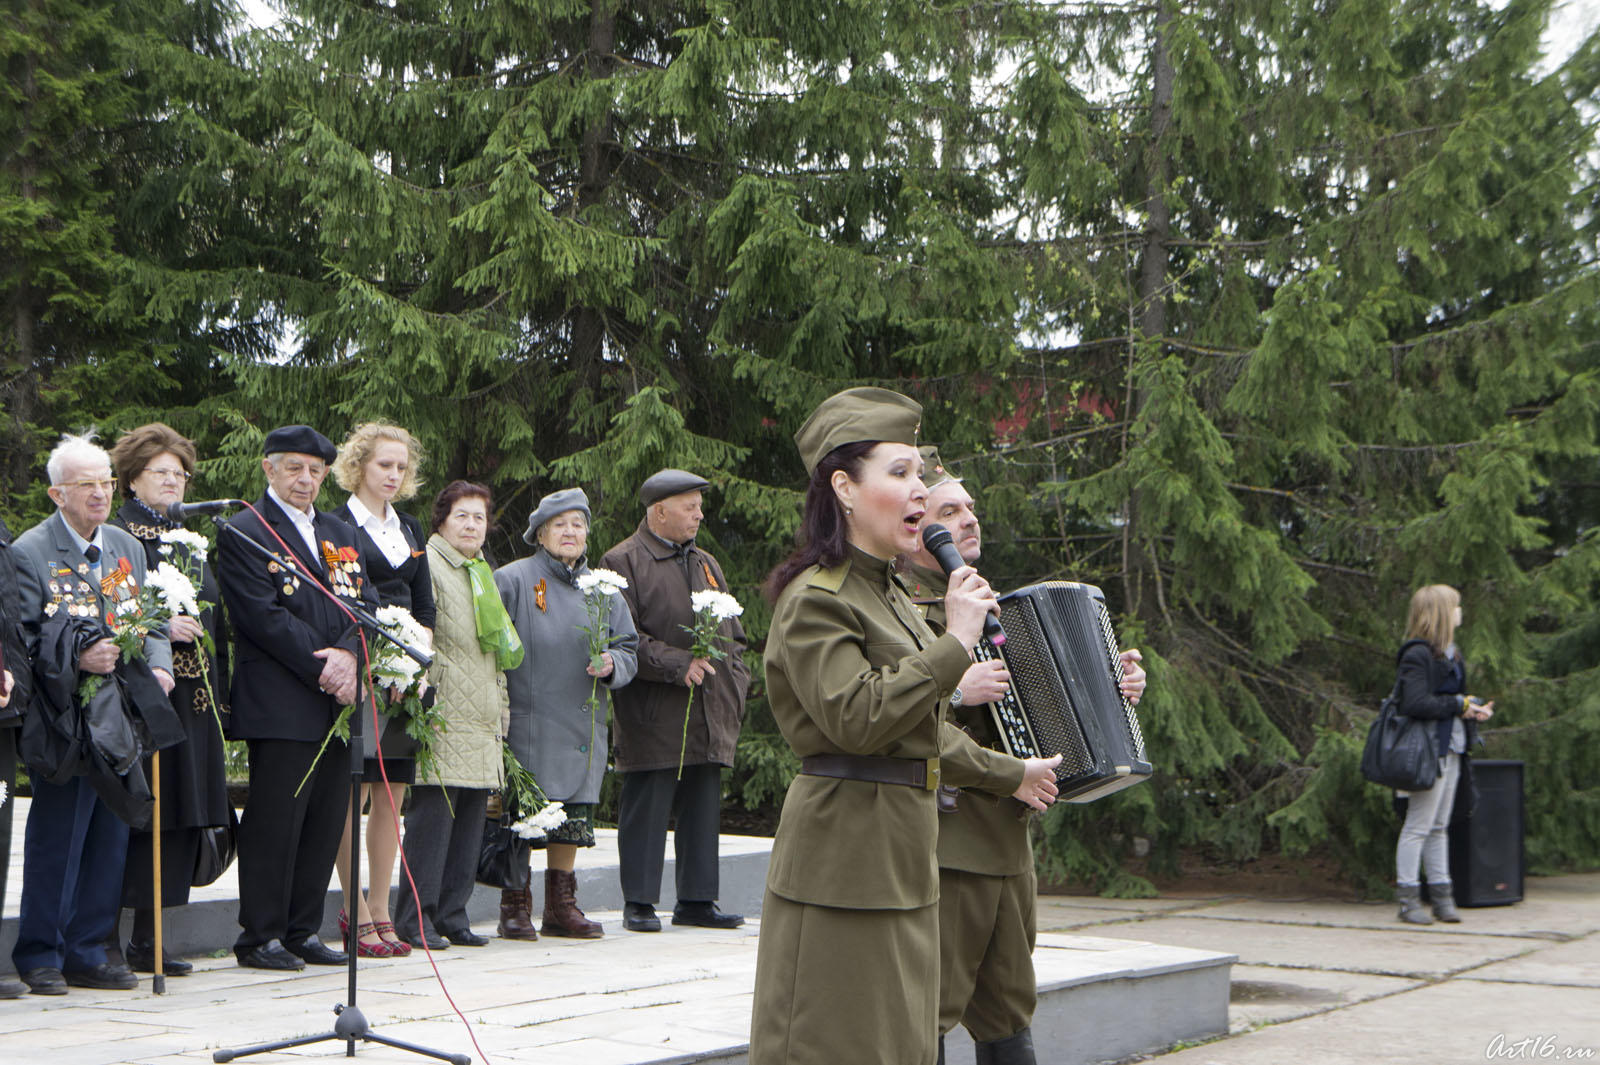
(3, 795)
(603, 582)
(391, 663)
(551, 817)
(719, 605)
(198, 545)
(174, 588)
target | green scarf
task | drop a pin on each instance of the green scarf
(495, 631)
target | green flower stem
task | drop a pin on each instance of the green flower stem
(683, 748)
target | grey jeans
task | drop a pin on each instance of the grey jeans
(1425, 837)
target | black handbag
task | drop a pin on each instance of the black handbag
(1401, 751)
(503, 860)
(217, 849)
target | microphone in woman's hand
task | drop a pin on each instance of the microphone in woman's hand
(936, 538)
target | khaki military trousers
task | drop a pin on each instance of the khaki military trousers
(845, 987)
(987, 926)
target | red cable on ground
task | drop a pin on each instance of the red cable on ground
(377, 740)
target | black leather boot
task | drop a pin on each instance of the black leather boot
(1012, 1050)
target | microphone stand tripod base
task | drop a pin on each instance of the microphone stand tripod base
(350, 1026)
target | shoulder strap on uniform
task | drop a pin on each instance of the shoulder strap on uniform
(829, 578)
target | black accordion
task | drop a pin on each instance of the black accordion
(1065, 695)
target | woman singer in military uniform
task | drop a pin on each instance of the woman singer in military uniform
(848, 963)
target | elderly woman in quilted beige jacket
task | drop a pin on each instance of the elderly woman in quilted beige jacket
(444, 827)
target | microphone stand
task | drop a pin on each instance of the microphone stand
(351, 1024)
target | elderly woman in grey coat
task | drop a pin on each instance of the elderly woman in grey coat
(560, 696)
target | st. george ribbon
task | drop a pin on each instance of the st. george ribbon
(179, 511)
(936, 538)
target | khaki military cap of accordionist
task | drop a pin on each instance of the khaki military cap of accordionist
(934, 472)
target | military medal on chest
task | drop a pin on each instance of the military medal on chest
(344, 569)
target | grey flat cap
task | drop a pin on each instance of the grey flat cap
(556, 503)
(666, 483)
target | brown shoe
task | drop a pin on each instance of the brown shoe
(516, 918)
(561, 914)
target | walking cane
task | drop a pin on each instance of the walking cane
(158, 982)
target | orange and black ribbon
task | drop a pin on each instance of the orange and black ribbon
(120, 575)
(538, 595)
(711, 582)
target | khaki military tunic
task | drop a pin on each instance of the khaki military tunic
(846, 970)
(987, 886)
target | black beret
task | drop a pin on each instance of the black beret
(664, 483)
(301, 440)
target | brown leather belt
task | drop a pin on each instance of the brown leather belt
(874, 769)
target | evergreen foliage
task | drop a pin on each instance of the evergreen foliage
(1257, 314)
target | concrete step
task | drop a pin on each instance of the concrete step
(682, 995)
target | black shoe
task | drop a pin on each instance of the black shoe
(45, 980)
(12, 989)
(103, 977)
(269, 955)
(466, 937)
(423, 940)
(640, 917)
(316, 952)
(704, 915)
(141, 959)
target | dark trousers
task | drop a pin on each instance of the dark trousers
(647, 801)
(72, 858)
(287, 842)
(442, 842)
(8, 774)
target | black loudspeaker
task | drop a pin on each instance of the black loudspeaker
(1486, 835)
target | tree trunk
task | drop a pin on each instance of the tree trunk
(596, 164)
(1141, 571)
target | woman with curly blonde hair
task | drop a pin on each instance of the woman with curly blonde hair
(379, 464)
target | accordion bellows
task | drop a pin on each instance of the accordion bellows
(1065, 695)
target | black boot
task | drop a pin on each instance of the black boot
(1012, 1050)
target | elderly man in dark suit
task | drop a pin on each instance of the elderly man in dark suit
(295, 665)
(664, 569)
(75, 567)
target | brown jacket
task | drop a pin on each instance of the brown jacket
(649, 725)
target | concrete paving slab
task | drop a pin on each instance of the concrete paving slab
(1262, 995)
(1549, 916)
(1575, 964)
(1395, 952)
(1126, 906)
(1452, 1023)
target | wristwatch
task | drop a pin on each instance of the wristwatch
(956, 698)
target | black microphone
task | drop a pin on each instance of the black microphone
(179, 511)
(936, 538)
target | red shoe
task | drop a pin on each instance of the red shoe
(344, 929)
(380, 949)
(399, 946)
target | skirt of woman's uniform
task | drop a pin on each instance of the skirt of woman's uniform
(845, 987)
